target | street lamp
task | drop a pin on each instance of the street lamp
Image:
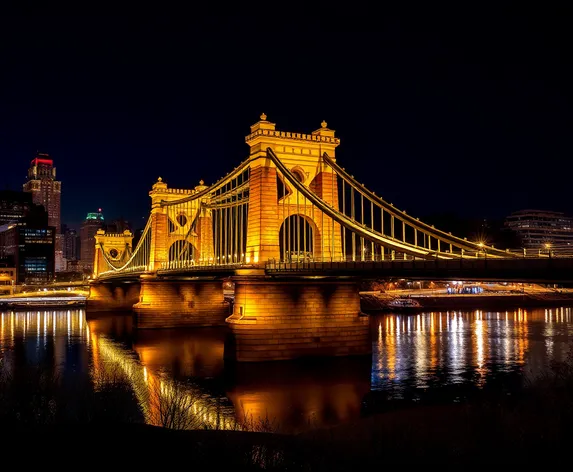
(480, 244)
(548, 247)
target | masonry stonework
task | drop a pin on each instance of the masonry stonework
(170, 304)
(110, 296)
(275, 320)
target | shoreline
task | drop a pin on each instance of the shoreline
(372, 304)
(53, 302)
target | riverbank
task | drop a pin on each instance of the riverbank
(519, 431)
(55, 299)
(371, 303)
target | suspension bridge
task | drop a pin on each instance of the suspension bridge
(295, 231)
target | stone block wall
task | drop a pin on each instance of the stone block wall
(275, 320)
(169, 304)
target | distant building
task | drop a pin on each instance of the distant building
(44, 187)
(30, 248)
(91, 224)
(71, 245)
(7, 277)
(540, 230)
(14, 206)
(47, 191)
(74, 266)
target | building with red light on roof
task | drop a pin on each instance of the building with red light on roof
(44, 187)
(47, 191)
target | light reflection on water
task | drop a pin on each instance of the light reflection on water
(447, 348)
(411, 353)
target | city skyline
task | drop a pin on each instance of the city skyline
(182, 113)
(334, 242)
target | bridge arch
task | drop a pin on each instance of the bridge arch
(181, 253)
(299, 238)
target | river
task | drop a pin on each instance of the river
(440, 356)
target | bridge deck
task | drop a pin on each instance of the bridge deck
(543, 270)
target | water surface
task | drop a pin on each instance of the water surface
(440, 355)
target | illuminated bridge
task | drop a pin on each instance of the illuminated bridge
(295, 231)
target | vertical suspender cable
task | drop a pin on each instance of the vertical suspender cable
(372, 227)
(362, 222)
(344, 213)
(297, 227)
(283, 222)
(382, 248)
(352, 213)
(404, 235)
(332, 177)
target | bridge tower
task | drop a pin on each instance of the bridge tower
(268, 211)
(284, 318)
(181, 231)
(110, 296)
(171, 225)
(116, 247)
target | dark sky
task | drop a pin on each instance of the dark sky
(463, 111)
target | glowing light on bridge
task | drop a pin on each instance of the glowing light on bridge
(279, 207)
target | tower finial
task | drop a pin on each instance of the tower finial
(323, 124)
(159, 179)
(201, 182)
(263, 117)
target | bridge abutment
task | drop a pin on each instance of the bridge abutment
(288, 319)
(180, 303)
(112, 296)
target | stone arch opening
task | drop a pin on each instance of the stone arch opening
(182, 251)
(297, 239)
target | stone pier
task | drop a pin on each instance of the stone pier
(180, 303)
(112, 296)
(286, 319)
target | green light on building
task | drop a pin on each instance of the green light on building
(95, 216)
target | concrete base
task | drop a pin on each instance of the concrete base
(170, 304)
(275, 320)
(112, 296)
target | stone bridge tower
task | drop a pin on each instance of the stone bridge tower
(116, 246)
(171, 225)
(302, 154)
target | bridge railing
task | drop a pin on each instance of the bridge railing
(128, 270)
(516, 268)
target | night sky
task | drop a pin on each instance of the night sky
(466, 112)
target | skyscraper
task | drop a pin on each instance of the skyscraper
(71, 246)
(44, 187)
(29, 245)
(91, 224)
(47, 191)
(14, 206)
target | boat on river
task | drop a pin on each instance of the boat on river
(404, 304)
